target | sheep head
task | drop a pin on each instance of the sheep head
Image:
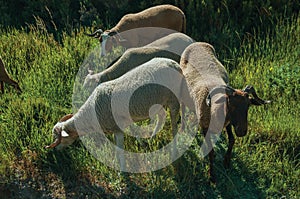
(107, 39)
(237, 105)
(62, 138)
(91, 81)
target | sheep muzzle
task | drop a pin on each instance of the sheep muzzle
(57, 140)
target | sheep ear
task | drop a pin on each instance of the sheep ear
(91, 72)
(64, 134)
(112, 33)
(66, 117)
(58, 129)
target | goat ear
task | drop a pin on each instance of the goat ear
(253, 101)
(258, 102)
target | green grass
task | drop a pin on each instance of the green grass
(265, 162)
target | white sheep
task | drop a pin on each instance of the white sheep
(4, 77)
(138, 29)
(170, 46)
(217, 105)
(143, 86)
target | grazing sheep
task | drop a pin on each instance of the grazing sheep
(174, 42)
(170, 46)
(217, 105)
(4, 77)
(166, 17)
(144, 87)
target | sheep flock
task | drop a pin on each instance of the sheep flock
(162, 76)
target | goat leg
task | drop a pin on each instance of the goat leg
(227, 156)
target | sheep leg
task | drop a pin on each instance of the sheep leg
(227, 156)
(161, 120)
(119, 137)
(211, 155)
(2, 86)
(174, 114)
(182, 128)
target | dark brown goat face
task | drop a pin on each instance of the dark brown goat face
(238, 105)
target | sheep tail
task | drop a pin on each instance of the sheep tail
(183, 30)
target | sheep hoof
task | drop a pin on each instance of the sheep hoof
(212, 177)
(125, 175)
(226, 162)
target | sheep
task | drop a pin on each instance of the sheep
(138, 29)
(170, 46)
(143, 86)
(4, 77)
(217, 105)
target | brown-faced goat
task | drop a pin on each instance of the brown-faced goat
(217, 104)
(166, 18)
(4, 77)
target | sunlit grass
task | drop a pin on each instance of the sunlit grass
(265, 163)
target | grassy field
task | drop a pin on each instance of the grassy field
(265, 162)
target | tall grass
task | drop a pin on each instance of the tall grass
(265, 162)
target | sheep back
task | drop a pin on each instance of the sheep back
(164, 16)
(170, 46)
(133, 58)
(142, 28)
(203, 72)
(138, 85)
(175, 42)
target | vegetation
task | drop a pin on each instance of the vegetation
(265, 162)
